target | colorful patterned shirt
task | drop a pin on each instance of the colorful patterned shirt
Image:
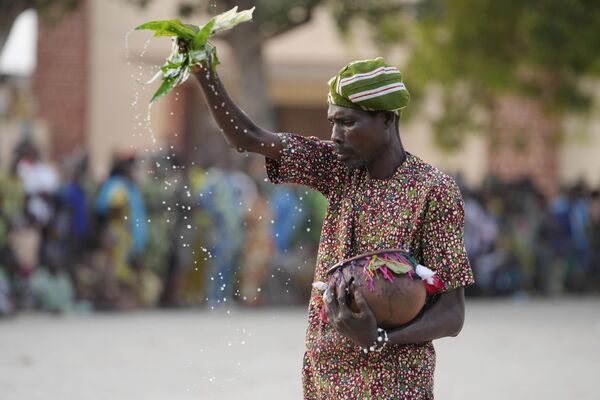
(418, 209)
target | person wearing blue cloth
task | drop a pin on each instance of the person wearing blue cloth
(123, 225)
(120, 191)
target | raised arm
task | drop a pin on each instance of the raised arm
(239, 131)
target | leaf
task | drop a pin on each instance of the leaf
(167, 85)
(202, 35)
(398, 268)
(211, 51)
(193, 27)
(231, 18)
(395, 266)
(215, 61)
(197, 56)
(208, 53)
(173, 27)
(155, 77)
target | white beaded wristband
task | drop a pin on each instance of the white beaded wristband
(380, 342)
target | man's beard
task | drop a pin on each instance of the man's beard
(352, 164)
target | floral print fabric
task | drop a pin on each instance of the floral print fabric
(418, 209)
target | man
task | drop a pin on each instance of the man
(380, 197)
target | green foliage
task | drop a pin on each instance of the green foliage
(190, 46)
(202, 35)
(498, 42)
(276, 16)
(450, 127)
(386, 19)
(538, 48)
(172, 27)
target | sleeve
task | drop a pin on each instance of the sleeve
(307, 161)
(442, 240)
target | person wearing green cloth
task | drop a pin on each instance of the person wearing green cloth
(379, 197)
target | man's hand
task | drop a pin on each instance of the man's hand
(203, 70)
(183, 46)
(360, 327)
(203, 73)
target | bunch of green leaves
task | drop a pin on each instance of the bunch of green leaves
(397, 266)
(190, 46)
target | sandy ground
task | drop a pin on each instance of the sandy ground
(507, 350)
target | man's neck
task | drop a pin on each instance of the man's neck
(386, 164)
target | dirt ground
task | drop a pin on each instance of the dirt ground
(525, 349)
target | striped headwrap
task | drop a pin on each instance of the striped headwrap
(370, 85)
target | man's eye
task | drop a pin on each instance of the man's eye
(347, 122)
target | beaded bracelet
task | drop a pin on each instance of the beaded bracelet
(380, 342)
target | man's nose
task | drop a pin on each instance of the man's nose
(337, 135)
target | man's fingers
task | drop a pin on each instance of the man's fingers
(328, 313)
(343, 296)
(331, 306)
(183, 46)
(361, 302)
(342, 291)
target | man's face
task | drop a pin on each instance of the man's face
(358, 136)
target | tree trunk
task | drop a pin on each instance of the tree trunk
(252, 84)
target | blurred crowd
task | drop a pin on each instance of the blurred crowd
(152, 234)
(520, 242)
(157, 234)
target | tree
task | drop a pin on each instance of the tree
(480, 50)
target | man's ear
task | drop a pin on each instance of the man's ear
(389, 118)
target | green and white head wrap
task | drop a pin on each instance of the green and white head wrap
(371, 85)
